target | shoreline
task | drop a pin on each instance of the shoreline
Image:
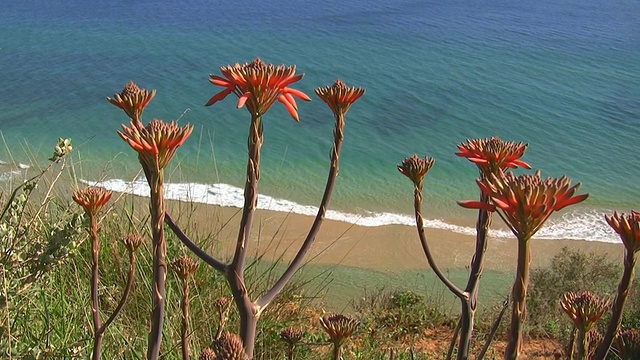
(394, 248)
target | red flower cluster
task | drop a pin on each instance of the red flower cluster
(526, 201)
(339, 97)
(92, 199)
(493, 155)
(258, 86)
(628, 227)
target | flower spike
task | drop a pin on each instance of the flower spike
(156, 143)
(628, 228)
(492, 155)
(258, 86)
(415, 168)
(92, 199)
(133, 100)
(526, 201)
(339, 97)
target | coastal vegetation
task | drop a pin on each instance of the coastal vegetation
(64, 270)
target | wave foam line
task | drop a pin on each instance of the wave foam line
(589, 226)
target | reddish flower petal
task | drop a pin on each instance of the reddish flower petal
(243, 99)
(290, 107)
(219, 96)
(297, 93)
(219, 81)
(471, 204)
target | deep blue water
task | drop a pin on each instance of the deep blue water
(563, 76)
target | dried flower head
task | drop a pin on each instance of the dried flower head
(525, 201)
(339, 97)
(92, 199)
(207, 354)
(291, 335)
(156, 143)
(339, 327)
(415, 168)
(222, 303)
(63, 148)
(493, 155)
(133, 100)
(584, 308)
(259, 85)
(627, 343)
(628, 227)
(229, 347)
(184, 266)
(132, 242)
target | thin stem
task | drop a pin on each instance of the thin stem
(454, 338)
(95, 304)
(337, 351)
(338, 137)
(192, 246)
(618, 305)
(581, 354)
(494, 330)
(519, 300)
(417, 196)
(158, 296)
(125, 294)
(255, 141)
(184, 305)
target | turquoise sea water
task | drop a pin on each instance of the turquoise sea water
(563, 76)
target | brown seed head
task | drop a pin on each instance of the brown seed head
(207, 354)
(339, 96)
(339, 327)
(132, 242)
(92, 199)
(415, 168)
(184, 266)
(133, 100)
(628, 344)
(156, 143)
(628, 228)
(584, 308)
(291, 335)
(221, 303)
(493, 155)
(229, 347)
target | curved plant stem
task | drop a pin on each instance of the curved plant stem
(618, 305)
(218, 265)
(125, 294)
(338, 137)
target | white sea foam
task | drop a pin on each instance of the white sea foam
(589, 226)
(23, 166)
(7, 175)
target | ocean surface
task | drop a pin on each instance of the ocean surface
(562, 76)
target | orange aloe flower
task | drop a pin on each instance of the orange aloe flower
(133, 100)
(92, 199)
(584, 309)
(628, 227)
(525, 202)
(339, 97)
(156, 143)
(415, 168)
(259, 85)
(493, 155)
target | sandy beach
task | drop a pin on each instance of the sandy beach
(383, 248)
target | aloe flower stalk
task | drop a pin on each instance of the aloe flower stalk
(133, 100)
(292, 337)
(222, 307)
(628, 228)
(92, 200)
(257, 86)
(339, 328)
(584, 309)
(492, 156)
(524, 203)
(184, 267)
(156, 145)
